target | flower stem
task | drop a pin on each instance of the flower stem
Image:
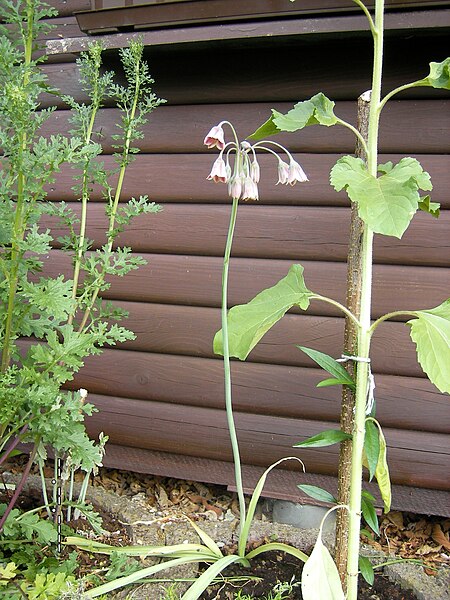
(19, 226)
(362, 372)
(226, 364)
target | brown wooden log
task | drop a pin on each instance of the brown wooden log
(271, 390)
(416, 458)
(296, 233)
(182, 178)
(196, 281)
(182, 128)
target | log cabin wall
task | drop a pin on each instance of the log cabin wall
(160, 397)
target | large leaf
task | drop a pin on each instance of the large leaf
(386, 203)
(247, 323)
(316, 111)
(439, 76)
(332, 366)
(325, 438)
(430, 331)
(320, 577)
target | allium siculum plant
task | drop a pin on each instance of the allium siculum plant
(386, 197)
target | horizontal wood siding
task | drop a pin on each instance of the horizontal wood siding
(163, 392)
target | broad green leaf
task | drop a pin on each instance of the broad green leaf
(369, 513)
(439, 76)
(371, 447)
(320, 577)
(326, 438)
(316, 111)
(386, 203)
(382, 473)
(332, 366)
(432, 208)
(247, 323)
(317, 493)
(366, 569)
(267, 129)
(430, 331)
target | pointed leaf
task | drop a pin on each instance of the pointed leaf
(371, 447)
(439, 76)
(206, 539)
(316, 111)
(430, 331)
(432, 208)
(317, 493)
(332, 381)
(386, 203)
(382, 473)
(137, 576)
(205, 579)
(366, 569)
(267, 129)
(254, 503)
(369, 513)
(329, 364)
(326, 438)
(247, 323)
(320, 577)
(277, 546)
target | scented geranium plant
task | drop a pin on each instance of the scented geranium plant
(49, 325)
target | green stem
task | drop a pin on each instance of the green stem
(19, 229)
(363, 7)
(226, 365)
(84, 205)
(112, 219)
(401, 88)
(362, 141)
(364, 337)
(396, 313)
(338, 305)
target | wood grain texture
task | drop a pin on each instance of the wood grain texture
(271, 390)
(180, 129)
(182, 178)
(196, 281)
(189, 331)
(416, 458)
(295, 233)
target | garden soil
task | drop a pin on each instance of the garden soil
(150, 510)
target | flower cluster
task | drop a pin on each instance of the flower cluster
(243, 178)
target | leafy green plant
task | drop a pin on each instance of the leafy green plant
(386, 196)
(49, 325)
(242, 184)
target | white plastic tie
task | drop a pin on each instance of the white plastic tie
(347, 357)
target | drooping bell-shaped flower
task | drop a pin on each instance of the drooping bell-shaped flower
(296, 173)
(240, 168)
(283, 172)
(215, 137)
(218, 171)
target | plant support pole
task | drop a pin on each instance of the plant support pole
(365, 320)
(351, 332)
